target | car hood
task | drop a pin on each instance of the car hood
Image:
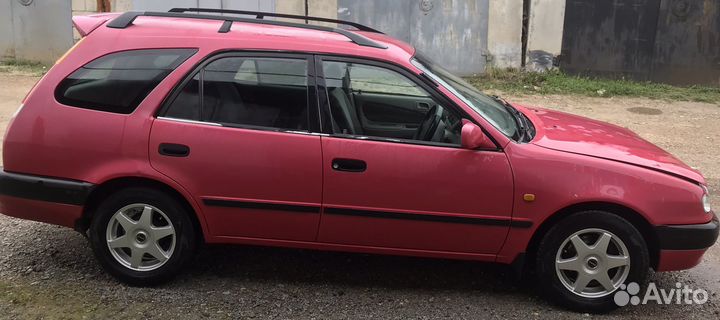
(570, 133)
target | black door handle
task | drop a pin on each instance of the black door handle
(174, 150)
(349, 165)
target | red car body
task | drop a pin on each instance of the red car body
(491, 205)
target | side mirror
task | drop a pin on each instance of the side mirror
(472, 137)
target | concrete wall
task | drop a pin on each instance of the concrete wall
(545, 32)
(35, 30)
(87, 7)
(7, 32)
(83, 7)
(316, 8)
(505, 33)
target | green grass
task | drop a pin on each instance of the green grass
(556, 82)
(16, 66)
(45, 300)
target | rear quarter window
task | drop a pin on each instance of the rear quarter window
(118, 82)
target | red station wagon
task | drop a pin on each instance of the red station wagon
(160, 131)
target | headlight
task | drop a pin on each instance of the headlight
(706, 201)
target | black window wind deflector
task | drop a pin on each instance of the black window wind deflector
(126, 19)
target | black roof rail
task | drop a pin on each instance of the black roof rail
(126, 19)
(261, 15)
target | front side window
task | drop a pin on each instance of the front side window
(490, 109)
(247, 91)
(118, 82)
(367, 100)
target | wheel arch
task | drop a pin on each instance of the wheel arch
(635, 218)
(105, 189)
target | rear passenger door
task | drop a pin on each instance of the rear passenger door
(236, 134)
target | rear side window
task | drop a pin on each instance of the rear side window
(247, 92)
(118, 82)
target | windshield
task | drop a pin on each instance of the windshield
(492, 110)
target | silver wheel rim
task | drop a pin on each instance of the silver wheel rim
(140, 237)
(592, 263)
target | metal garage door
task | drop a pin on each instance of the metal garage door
(672, 41)
(687, 45)
(254, 5)
(609, 38)
(454, 33)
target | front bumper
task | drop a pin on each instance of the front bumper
(682, 246)
(51, 200)
(688, 237)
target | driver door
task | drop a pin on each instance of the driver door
(385, 186)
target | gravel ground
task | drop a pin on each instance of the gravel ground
(48, 272)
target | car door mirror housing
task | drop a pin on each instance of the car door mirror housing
(472, 137)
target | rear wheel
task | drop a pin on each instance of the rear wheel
(142, 236)
(587, 257)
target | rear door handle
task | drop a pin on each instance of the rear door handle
(349, 165)
(174, 150)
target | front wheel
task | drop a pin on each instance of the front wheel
(586, 257)
(142, 236)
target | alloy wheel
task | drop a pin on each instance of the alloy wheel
(592, 263)
(141, 237)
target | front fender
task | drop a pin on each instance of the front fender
(560, 180)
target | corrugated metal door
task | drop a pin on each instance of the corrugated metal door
(253, 5)
(609, 38)
(671, 41)
(687, 46)
(452, 32)
(35, 29)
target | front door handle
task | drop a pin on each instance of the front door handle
(174, 150)
(349, 165)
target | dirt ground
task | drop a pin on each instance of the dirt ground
(49, 272)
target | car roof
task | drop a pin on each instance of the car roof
(256, 36)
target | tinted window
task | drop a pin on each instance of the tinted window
(118, 82)
(368, 100)
(262, 92)
(187, 103)
(378, 80)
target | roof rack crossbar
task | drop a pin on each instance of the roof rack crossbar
(126, 19)
(261, 15)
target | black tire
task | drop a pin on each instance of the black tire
(549, 282)
(185, 241)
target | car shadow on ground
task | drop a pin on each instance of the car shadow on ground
(352, 269)
(40, 248)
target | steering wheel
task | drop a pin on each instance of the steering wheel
(430, 124)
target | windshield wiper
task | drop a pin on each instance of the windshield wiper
(519, 119)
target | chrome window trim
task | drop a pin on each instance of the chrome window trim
(248, 127)
(191, 121)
